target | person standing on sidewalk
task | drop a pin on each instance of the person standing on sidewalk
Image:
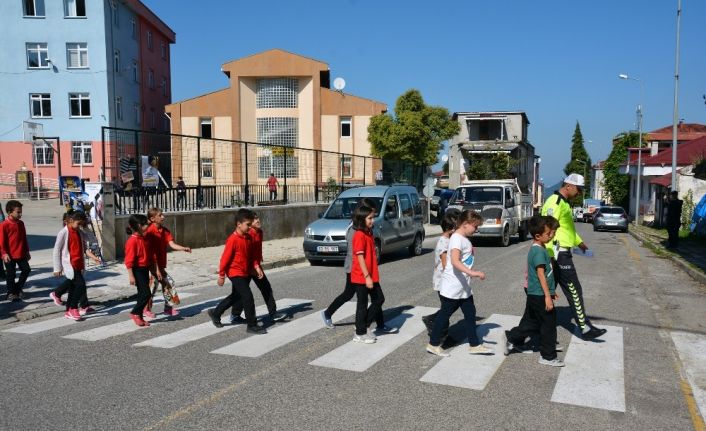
(674, 208)
(263, 284)
(238, 265)
(14, 250)
(272, 185)
(557, 206)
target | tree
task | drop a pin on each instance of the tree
(580, 161)
(617, 184)
(493, 166)
(414, 134)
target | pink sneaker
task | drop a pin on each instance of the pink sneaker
(73, 314)
(86, 310)
(138, 320)
(56, 299)
(148, 314)
(169, 311)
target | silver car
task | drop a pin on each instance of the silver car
(610, 218)
(398, 223)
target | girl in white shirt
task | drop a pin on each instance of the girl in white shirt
(455, 287)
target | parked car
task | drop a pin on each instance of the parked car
(398, 223)
(578, 214)
(443, 182)
(610, 218)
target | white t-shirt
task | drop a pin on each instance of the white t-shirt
(442, 247)
(454, 283)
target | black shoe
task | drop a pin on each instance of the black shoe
(593, 333)
(214, 319)
(259, 330)
(278, 317)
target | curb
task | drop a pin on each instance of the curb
(696, 274)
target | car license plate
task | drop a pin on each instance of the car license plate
(327, 249)
(611, 223)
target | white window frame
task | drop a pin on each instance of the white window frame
(84, 148)
(349, 121)
(206, 121)
(80, 98)
(346, 161)
(119, 108)
(39, 97)
(71, 8)
(36, 13)
(137, 113)
(206, 167)
(149, 39)
(80, 49)
(40, 48)
(116, 61)
(164, 86)
(46, 152)
(150, 79)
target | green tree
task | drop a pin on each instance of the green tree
(414, 134)
(492, 166)
(617, 184)
(580, 161)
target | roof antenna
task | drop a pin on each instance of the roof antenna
(339, 84)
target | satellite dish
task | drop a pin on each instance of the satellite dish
(339, 84)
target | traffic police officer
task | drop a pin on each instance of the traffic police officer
(566, 237)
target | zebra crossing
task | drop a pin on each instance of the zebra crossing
(593, 376)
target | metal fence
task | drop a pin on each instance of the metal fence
(147, 168)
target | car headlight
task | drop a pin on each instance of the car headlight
(308, 233)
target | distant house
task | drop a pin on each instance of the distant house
(598, 190)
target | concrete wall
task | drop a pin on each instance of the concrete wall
(211, 228)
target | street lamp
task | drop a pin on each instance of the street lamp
(639, 149)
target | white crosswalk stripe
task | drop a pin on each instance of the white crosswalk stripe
(127, 326)
(60, 322)
(207, 329)
(359, 357)
(465, 370)
(594, 373)
(280, 335)
(692, 351)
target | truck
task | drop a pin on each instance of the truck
(505, 209)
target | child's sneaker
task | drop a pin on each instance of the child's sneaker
(86, 310)
(365, 339)
(278, 316)
(54, 297)
(384, 329)
(169, 311)
(236, 320)
(216, 320)
(556, 362)
(480, 350)
(148, 314)
(327, 320)
(138, 320)
(73, 314)
(437, 350)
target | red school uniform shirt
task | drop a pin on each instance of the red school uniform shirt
(256, 235)
(138, 252)
(159, 239)
(363, 243)
(13, 239)
(236, 260)
(75, 247)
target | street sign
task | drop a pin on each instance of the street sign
(428, 190)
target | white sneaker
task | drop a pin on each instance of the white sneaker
(327, 322)
(365, 339)
(556, 362)
(437, 350)
(480, 350)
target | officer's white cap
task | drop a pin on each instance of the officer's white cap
(574, 179)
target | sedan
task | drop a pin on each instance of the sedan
(610, 218)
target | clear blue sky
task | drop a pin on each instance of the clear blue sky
(557, 60)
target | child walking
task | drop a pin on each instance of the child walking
(67, 261)
(262, 283)
(139, 260)
(15, 250)
(160, 238)
(365, 277)
(349, 289)
(238, 264)
(455, 288)
(448, 225)
(539, 316)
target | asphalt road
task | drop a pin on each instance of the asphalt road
(54, 383)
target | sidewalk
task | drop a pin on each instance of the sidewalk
(689, 255)
(109, 285)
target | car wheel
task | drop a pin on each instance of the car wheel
(522, 232)
(378, 252)
(416, 248)
(505, 239)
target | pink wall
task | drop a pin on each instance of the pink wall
(14, 154)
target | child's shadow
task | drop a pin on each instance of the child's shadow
(457, 333)
(289, 311)
(389, 314)
(565, 319)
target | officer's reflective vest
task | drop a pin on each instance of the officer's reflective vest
(566, 236)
